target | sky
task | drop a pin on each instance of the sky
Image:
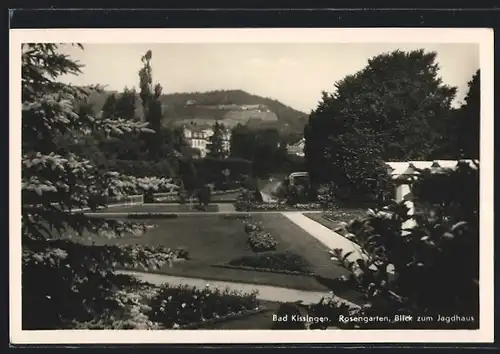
(294, 74)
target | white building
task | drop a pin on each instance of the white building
(297, 148)
(198, 137)
(403, 173)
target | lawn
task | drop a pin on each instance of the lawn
(216, 239)
(212, 240)
(293, 238)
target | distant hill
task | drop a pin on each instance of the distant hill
(232, 107)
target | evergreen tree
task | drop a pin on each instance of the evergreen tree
(469, 118)
(152, 107)
(126, 104)
(215, 145)
(65, 282)
(109, 107)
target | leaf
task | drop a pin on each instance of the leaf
(345, 256)
(458, 225)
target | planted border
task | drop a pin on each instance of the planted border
(187, 307)
(258, 239)
(266, 270)
(274, 262)
(231, 317)
(239, 206)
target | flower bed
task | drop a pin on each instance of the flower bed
(258, 239)
(175, 198)
(240, 206)
(187, 307)
(143, 306)
(275, 262)
(261, 241)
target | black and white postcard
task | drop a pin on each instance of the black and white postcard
(251, 186)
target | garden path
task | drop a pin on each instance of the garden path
(265, 292)
(328, 237)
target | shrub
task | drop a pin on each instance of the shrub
(209, 170)
(65, 283)
(141, 168)
(432, 268)
(258, 239)
(284, 317)
(204, 194)
(332, 308)
(261, 241)
(245, 200)
(177, 306)
(247, 205)
(325, 196)
(274, 261)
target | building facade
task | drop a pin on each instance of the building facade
(297, 148)
(198, 137)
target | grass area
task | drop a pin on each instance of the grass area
(293, 238)
(215, 239)
(332, 219)
(209, 240)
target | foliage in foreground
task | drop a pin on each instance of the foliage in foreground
(177, 306)
(65, 282)
(139, 305)
(429, 269)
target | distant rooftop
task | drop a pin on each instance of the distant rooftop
(408, 168)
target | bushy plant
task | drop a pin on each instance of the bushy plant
(284, 315)
(247, 205)
(262, 241)
(274, 261)
(178, 306)
(204, 194)
(258, 239)
(245, 200)
(65, 282)
(326, 196)
(431, 268)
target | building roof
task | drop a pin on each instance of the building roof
(410, 168)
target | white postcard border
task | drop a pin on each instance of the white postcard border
(483, 37)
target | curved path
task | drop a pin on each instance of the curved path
(265, 292)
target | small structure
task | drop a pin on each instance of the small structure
(297, 148)
(197, 136)
(404, 173)
(298, 178)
